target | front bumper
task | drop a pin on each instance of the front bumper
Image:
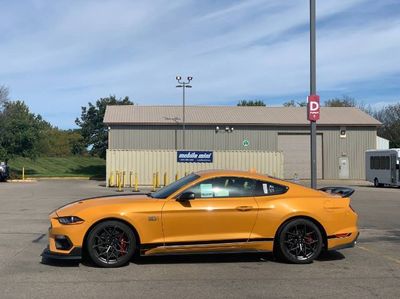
(74, 255)
(65, 241)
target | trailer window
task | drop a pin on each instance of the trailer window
(382, 162)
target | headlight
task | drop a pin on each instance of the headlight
(70, 220)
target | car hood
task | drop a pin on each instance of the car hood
(106, 202)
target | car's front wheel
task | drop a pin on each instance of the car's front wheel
(300, 241)
(111, 244)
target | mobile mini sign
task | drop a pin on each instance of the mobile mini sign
(194, 156)
(313, 108)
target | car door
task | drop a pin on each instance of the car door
(224, 210)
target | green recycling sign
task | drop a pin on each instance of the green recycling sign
(246, 142)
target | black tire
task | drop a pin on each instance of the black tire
(377, 184)
(299, 241)
(111, 244)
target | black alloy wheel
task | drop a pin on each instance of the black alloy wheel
(111, 244)
(300, 241)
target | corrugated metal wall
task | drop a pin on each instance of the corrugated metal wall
(261, 138)
(147, 162)
(353, 146)
(197, 137)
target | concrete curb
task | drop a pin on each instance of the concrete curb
(22, 181)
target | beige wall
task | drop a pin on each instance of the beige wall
(147, 162)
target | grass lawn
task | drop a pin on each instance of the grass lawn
(58, 167)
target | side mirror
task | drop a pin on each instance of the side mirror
(185, 196)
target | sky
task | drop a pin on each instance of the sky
(59, 55)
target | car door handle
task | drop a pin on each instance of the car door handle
(244, 208)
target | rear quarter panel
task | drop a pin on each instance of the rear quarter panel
(333, 213)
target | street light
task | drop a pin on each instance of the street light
(183, 85)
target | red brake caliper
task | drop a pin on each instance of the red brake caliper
(122, 245)
(308, 239)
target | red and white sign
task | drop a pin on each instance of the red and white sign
(313, 108)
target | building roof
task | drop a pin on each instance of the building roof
(239, 115)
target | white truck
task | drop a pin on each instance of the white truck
(382, 167)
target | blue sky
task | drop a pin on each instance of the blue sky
(59, 55)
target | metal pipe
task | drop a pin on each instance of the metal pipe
(313, 91)
(183, 116)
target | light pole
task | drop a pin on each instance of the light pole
(313, 91)
(183, 85)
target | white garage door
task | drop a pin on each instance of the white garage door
(296, 155)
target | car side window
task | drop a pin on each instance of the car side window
(266, 188)
(223, 187)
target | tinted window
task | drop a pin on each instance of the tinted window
(266, 188)
(175, 186)
(223, 187)
(382, 162)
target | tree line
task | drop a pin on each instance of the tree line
(26, 134)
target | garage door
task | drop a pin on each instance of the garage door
(296, 155)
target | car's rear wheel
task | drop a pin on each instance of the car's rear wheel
(111, 244)
(300, 241)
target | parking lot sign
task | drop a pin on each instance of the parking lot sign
(313, 108)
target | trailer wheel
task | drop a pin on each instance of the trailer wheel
(376, 183)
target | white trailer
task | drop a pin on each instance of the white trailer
(382, 167)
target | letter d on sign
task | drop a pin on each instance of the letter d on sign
(313, 108)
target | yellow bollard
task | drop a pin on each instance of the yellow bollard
(23, 173)
(154, 182)
(130, 179)
(176, 176)
(157, 180)
(119, 182)
(123, 179)
(136, 183)
(165, 179)
(111, 180)
(186, 173)
(117, 178)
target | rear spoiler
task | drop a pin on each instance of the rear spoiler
(342, 191)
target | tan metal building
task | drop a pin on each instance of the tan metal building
(344, 134)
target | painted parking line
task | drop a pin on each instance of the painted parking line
(378, 253)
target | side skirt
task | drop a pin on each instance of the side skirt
(225, 246)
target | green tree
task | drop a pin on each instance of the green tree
(293, 103)
(4, 92)
(251, 103)
(344, 101)
(62, 143)
(21, 131)
(389, 116)
(93, 131)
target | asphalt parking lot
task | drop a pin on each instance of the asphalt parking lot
(372, 269)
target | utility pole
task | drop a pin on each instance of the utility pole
(183, 85)
(313, 92)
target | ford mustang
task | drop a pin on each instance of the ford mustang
(207, 211)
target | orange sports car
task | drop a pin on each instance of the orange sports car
(206, 211)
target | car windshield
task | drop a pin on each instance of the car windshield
(173, 187)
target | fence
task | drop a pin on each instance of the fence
(145, 163)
